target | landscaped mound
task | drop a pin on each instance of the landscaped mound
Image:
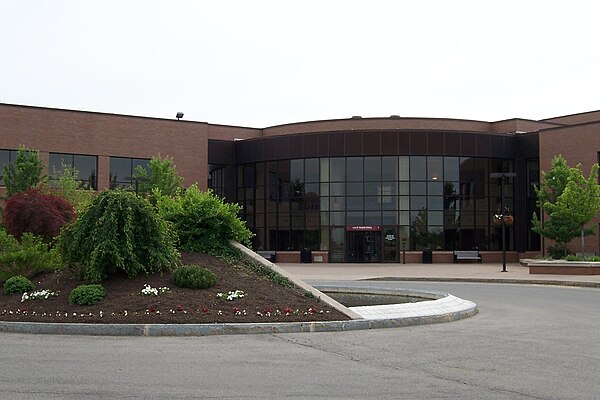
(124, 302)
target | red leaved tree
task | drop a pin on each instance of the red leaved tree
(36, 212)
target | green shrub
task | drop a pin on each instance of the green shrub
(557, 252)
(595, 259)
(86, 295)
(18, 285)
(571, 257)
(203, 221)
(193, 277)
(119, 230)
(28, 258)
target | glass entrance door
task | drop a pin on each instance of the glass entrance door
(390, 245)
(364, 246)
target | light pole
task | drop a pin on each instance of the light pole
(503, 210)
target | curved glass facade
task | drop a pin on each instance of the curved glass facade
(371, 208)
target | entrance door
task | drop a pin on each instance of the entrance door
(390, 246)
(364, 246)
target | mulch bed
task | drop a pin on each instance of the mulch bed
(264, 301)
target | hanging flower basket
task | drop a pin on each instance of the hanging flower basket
(497, 219)
(508, 219)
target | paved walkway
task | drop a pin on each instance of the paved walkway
(445, 272)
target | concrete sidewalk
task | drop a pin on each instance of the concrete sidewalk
(469, 272)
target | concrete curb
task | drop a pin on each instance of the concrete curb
(490, 280)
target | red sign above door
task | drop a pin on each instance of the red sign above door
(365, 228)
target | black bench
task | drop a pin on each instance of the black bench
(469, 255)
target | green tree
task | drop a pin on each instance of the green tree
(570, 201)
(24, 173)
(162, 178)
(66, 184)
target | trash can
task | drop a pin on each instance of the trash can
(427, 256)
(305, 255)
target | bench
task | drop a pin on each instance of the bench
(268, 255)
(467, 255)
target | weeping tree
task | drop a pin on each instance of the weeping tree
(570, 201)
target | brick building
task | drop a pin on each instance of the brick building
(350, 190)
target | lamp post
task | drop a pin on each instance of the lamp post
(504, 211)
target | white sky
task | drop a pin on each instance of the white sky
(262, 63)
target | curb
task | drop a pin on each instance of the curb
(490, 280)
(226, 329)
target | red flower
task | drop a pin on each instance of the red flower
(236, 310)
(268, 310)
(205, 310)
(288, 311)
(151, 309)
(179, 307)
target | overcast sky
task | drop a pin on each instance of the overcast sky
(262, 63)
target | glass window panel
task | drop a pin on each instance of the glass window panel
(337, 189)
(337, 203)
(86, 165)
(354, 188)
(311, 170)
(482, 219)
(324, 218)
(373, 203)
(403, 202)
(372, 188)
(324, 238)
(451, 170)
(283, 220)
(418, 202)
(140, 162)
(372, 168)
(466, 169)
(324, 189)
(355, 218)
(271, 220)
(324, 162)
(435, 217)
(283, 171)
(389, 202)
(57, 160)
(435, 237)
(260, 220)
(418, 188)
(120, 171)
(297, 170)
(260, 206)
(260, 174)
(354, 203)
(403, 217)
(435, 188)
(389, 168)
(284, 207)
(337, 218)
(403, 168)
(373, 218)
(337, 169)
(311, 239)
(435, 170)
(418, 168)
(404, 188)
(311, 188)
(390, 218)
(324, 203)
(260, 192)
(435, 203)
(355, 169)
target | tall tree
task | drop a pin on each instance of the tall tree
(570, 201)
(24, 173)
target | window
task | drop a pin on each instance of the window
(122, 170)
(86, 167)
(6, 157)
